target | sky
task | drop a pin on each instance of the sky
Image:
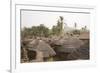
(35, 18)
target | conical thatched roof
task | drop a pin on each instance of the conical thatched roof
(69, 44)
(45, 48)
(40, 45)
(72, 43)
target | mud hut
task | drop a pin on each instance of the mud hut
(84, 50)
(85, 37)
(48, 52)
(70, 44)
(43, 48)
(67, 46)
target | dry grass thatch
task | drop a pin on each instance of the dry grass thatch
(42, 46)
(69, 44)
(45, 48)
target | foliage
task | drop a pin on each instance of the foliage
(57, 30)
(35, 31)
(43, 31)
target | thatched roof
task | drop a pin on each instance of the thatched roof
(45, 48)
(84, 35)
(82, 53)
(69, 44)
(40, 45)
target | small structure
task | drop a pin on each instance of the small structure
(67, 46)
(71, 43)
(48, 52)
(85, 36)
(83, 51)
(43, 50)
